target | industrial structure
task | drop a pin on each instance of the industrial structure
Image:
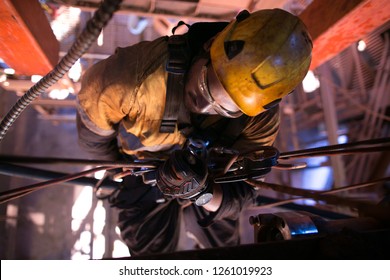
(344, 99)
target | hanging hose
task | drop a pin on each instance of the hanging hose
(82, 44)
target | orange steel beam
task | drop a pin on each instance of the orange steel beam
(27, 42)
(335, 25)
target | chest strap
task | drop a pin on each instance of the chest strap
(177, 65)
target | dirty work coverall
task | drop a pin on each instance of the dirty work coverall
(123, 97)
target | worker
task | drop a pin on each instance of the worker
(218, 84)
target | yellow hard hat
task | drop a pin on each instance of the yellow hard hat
(261, 57)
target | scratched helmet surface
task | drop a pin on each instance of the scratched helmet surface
(261, 57)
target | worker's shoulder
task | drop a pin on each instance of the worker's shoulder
(130, 62)
(143, 48)
(137, 58)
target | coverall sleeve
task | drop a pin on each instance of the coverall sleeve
(122, 89)
(100, 147)
(104, 100)
(259, 131)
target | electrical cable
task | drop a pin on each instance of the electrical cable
(82, 44)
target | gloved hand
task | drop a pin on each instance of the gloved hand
(102, 192)
(183, 175)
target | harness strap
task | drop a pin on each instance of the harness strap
(177, 65)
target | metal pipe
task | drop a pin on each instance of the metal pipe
(368, 125)
(331, 122)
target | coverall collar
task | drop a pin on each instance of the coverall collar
(204, 94)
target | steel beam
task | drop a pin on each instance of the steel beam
(27, 42)
(336, 25)
(331, 123)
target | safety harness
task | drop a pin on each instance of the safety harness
(181, 49)
(179, 57)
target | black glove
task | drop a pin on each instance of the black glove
(102, 191)
(183, 175)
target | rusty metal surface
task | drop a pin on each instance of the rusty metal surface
(336, 26)
(27, 43)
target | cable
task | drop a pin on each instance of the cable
(19, 192)
(52, 160)
(318, 194)
(82, 44)
(373, 145)
(102, 165)
(326, 196)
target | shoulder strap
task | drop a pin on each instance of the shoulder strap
(180, 51)
(177, 65)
